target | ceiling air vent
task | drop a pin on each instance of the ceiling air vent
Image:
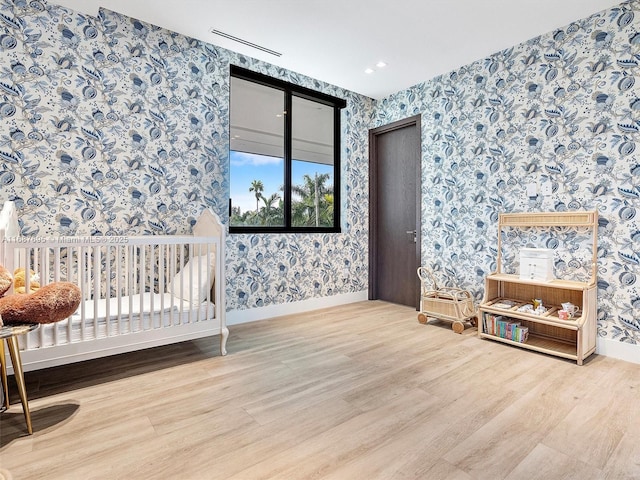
(245, 42)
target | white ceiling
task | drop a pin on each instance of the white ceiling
(336, 40)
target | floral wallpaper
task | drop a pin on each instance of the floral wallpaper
(111, 126)
(562, 111)
(271, 269)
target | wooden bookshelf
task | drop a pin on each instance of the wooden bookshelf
(574, 338)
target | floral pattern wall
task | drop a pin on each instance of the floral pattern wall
(562, 109)
(109, 126)
(112, 126)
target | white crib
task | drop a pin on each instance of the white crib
(138, 291)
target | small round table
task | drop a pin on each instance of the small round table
(10, 334)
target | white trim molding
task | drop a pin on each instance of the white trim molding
(236, 317)
(620, 350)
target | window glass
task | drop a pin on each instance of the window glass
(257, 154)
(284, 156)
(312, 164)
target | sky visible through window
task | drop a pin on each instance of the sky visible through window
(247, 167)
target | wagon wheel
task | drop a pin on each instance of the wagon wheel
(422, 318)
(457, 326)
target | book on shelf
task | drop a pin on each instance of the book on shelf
(489, 323)
(504, 327)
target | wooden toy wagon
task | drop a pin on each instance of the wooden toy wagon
(446, 303)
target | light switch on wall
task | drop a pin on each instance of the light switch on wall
(545, 188)
(532, 190)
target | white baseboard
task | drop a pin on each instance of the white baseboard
(622, 351)
(235, 317)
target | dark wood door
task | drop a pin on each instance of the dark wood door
(394, 216)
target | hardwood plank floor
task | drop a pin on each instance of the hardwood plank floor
(361, 391)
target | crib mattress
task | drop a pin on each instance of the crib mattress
(119, 316)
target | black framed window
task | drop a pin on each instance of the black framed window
(284, 156)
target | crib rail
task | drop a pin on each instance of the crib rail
(130, 285)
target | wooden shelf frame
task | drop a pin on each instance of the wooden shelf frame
(574, 339)
(542, 344)
(579, 219)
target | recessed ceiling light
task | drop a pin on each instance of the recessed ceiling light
(381, 64)
(369, 70)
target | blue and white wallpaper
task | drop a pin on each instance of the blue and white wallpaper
(110, 126)
(562, 109)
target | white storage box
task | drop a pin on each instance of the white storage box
(536, 264)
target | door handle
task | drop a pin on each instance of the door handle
(415, 235)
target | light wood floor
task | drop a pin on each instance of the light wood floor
(361, 391)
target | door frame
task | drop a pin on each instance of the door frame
(373, 198)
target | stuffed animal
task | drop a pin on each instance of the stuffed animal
(5, 280)
(51, 303)
(20, 281)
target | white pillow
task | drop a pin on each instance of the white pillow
(207, 225)
(9, 220)
(191, 282)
